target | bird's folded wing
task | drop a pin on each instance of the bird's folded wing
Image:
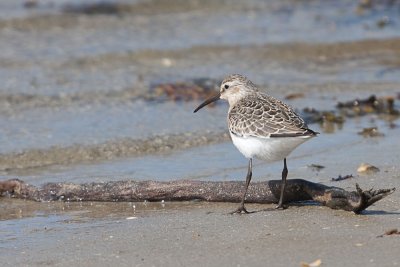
(264, 116)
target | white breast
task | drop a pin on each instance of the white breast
(267, 149)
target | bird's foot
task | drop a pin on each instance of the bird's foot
(241, 209)
(281, 206)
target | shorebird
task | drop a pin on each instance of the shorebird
(260, 126)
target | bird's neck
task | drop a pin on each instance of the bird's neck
(233, 101)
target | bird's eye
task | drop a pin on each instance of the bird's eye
(226, 86)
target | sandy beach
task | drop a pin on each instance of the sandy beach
(84, 98)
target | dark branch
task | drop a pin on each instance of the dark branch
(261, 192)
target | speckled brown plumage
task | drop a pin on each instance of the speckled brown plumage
(260, 115)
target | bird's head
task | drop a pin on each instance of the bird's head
(233, 88)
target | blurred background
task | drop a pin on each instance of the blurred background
(105, 90)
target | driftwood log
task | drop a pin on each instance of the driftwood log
(231, 191)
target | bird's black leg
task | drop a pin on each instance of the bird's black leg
(241, 207)
(283, 185)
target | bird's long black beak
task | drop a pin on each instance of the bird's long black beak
(208, 101)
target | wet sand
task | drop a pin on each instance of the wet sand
(198, 234)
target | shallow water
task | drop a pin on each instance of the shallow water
(98, 123)
(222, 162)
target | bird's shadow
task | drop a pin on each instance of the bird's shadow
(314, 203)
(288, 205)
(379, 212)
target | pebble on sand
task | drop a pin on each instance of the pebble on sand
(312, 264)
(366, 168)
